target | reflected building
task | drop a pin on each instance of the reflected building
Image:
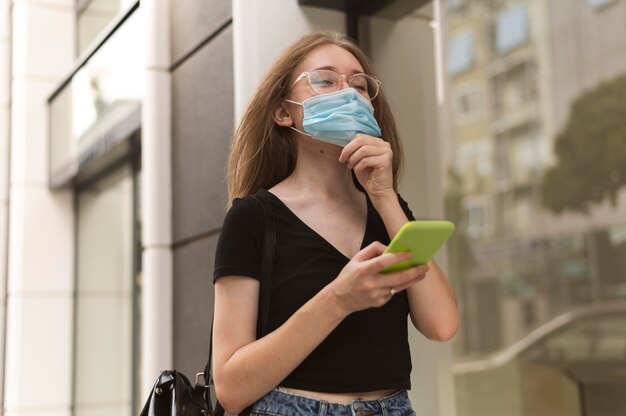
(528, 254)
(514, 70)
(500, 166)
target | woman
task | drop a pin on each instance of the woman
(318, 145)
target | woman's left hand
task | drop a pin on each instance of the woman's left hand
(371, 158)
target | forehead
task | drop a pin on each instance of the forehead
(342, 61)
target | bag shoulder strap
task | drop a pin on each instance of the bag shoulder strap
(267, 270)
(267, 265)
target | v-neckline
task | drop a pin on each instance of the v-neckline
(319, 236)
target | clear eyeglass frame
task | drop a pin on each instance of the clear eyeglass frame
(370, 80)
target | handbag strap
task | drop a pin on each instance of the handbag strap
(267, 269)
(269, 244)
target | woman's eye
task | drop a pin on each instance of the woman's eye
(322, 83)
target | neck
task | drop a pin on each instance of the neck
(318, 171)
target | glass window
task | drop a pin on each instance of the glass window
(104, 364)
(454, 4)
(527, 157)
(475, 155)
(477, 216)
(470, 103)
(101, 103)
(598, 4)
(94, 17)
(512, 28)
(542, 239)
(460, 52)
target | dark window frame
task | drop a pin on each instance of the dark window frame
(354, 9)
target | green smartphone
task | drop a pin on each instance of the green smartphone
(422, 239)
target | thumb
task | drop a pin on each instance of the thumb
(373, 250)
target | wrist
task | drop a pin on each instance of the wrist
(384, 199)
(333, 304)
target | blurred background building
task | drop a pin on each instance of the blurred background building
(115, 124)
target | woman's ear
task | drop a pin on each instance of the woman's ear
(281, 116)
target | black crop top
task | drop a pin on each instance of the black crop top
(369, 349)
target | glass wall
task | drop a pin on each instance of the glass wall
(93, 17)
(99, 105)
(107, 269)
(535, 173)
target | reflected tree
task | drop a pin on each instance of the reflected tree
(591, 151)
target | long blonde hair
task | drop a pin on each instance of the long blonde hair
(264, 153)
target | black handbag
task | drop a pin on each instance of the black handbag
(173, 394)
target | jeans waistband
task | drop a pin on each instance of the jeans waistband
(281, 402)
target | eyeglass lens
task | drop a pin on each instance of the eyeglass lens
(323, 81)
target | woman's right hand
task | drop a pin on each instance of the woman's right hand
(360, 285)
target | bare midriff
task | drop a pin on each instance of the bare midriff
(341, 398)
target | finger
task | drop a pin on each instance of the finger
(397, 279)
(365, 151)
(350, 148)
(381, 161)
(368, 139)
(384, 260)
(410, 283)
(375, 249)
(358, 141)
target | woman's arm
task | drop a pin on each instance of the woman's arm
(432, 300)
(245, 368)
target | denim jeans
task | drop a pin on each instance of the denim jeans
(279, 402)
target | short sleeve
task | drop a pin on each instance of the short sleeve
(240, 244)
(406, 209)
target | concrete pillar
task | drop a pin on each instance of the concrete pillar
(40, 245)
(156, 177)
(5, 129)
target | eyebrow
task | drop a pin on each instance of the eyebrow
(333, 68)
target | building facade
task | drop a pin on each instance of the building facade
(116, 118)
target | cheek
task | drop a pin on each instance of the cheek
(297, 115)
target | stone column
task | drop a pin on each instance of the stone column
(40, 300)
(156, 194)
(5, 116)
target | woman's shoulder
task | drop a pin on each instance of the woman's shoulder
(250, 206)
(244, 217)
(251, 200)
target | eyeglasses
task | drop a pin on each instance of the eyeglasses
(323, 81)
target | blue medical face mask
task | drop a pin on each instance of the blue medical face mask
(336, 117)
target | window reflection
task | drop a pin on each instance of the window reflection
(93, 18)
(460, 52)
(104, 297)
(512, 28)
(101, 103)
(536, 188)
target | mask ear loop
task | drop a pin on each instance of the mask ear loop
(292, 127)
(301, 132)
